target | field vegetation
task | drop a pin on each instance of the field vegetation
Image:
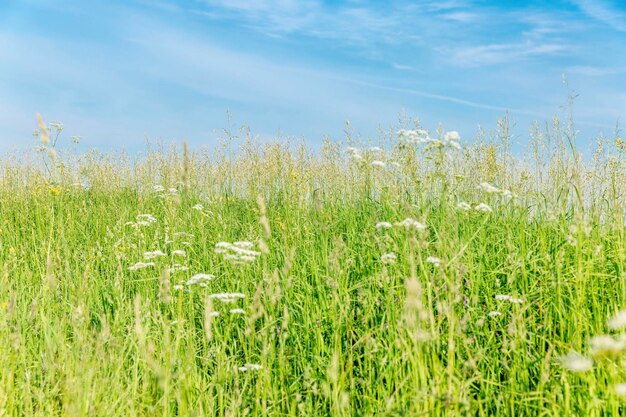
(419, 274)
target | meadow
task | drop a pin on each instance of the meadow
(418, 274)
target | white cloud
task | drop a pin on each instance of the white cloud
(498, 53)
(603, 11)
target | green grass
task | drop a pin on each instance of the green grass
(335, 330)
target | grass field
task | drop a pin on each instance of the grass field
(419, 278)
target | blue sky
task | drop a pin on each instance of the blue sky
(117, 72)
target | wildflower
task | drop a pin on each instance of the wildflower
(75, 139)
(464, 206)
(228, 297)
(605, 345)
(618, 321)
(379, 164)
(145, 220)
(179, 252)
(172, 190)
(507, 195)
(140, 265)
(434, 260)
(198, 207)
(158, 188)
(56, 126)
(178, 287)
(244, 244)
(488, 188)
(484, 208)
(375, 149)
(55, 191)
(237, 311)
(494, 314)
(214, 313)
(512, 300)
(200, 279)
(238, 252)
(152, 255)
(620, 389)
(388, 258)
(409, 223)
(575, 362)
(383, 225)
(178, 267)
(250, 367)
(452, 136)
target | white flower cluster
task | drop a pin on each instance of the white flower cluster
(410, 223)
(143, 220)
(388, 258)
(512, 300)
(140, 265)
(227, 297)
(490, 189)
(153, 254)
(250, 367)
(200, 280)
(450, 139)
(237, 252)
(482, 207)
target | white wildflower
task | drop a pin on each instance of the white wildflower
(178, 287)
(237, 252)
(388, 258)
(178, 267)
(158, 188)
(228, 297)
(145, 219)
(620, 389)
(383, 225)
(488, 188)
(244, 244)
(464, 206)
(250, 367)
(409, 223)
(452, 136)
(576, 362)
(200, 278)
(605, 345)
(618, 321)
(153, 254)
(179, 252)
(375, 149)
(198, 207)
(507, 195)
(494, 314)
(503, 297)
(434, 260)
(484, 208)
(140, 265)
(379, 164)
(237, 311)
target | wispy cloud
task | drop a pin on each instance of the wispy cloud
(502, 53)
(604, 11)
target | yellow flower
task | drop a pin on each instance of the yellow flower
(55, 191)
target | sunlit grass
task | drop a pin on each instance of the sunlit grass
(412, 276)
